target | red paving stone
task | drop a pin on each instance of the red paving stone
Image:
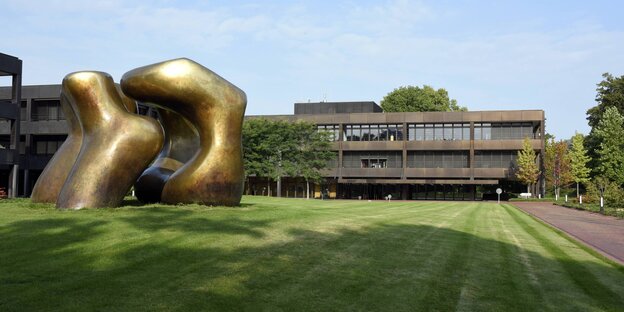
(603, 233)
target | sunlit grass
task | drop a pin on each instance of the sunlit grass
(294, 254)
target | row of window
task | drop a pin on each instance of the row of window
(438, 132)
(42, 110)
(495, 159)
(379, 132)
(432, 132)
(372, 160)
(428, 159)
(444, 159)
(41, 145)
(503, 131)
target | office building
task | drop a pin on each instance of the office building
(11, 67)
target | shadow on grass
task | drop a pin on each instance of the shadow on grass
(190, 221)
(134, 202)
(71, 264)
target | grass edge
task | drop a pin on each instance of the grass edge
(576, 241)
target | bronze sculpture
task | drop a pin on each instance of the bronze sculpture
(51, 180)
(181, 143)
(54, 175)
(215, 107)
(109, 146)
(116, 145)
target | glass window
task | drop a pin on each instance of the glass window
(466, 131)
(448, 132)
(40, 147)
(477, 132)
(23, 111)
(420, 134)
(457, 132)
(438, 132)
(356, 133)
(374, 133)
(486, 131)
(429, 133)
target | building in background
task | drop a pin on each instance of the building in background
(10, 125)
(433, 155)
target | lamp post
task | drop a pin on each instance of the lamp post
(602, 184)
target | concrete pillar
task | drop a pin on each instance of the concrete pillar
(26, 183)
(404, 191)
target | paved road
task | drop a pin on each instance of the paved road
(603, 233)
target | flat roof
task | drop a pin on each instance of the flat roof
(10, 65)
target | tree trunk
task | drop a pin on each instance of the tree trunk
(307, 189)
(577, 190)
(278, 189)
(269, 187)
(529, 189)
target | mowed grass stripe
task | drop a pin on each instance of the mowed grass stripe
(285, 254)
(583, 278)
(443, 287)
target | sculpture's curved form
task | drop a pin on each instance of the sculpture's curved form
(53, 177)
(116, 145)
(214, 176)
(128, 103)
(181, 143)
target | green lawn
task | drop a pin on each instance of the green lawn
(289, 254)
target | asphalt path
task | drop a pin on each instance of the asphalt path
(605, 234)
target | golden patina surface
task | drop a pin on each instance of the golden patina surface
(116, 144)
(51, 180)
(181, 143)
(215, 107)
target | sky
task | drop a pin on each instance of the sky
(488, 55)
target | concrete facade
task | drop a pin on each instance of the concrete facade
(10, 124)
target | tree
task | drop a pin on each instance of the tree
(527, 168)
(275, 149)
(557, 165)
(416, 99)
(609, 93)
(610, 133)
(262, 144)
(313, 153)
(578, 161)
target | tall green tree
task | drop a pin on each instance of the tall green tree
(528, 171)
(263, 147)
(609, 93)
(610, 132)
(417, 99)
(557, 165)
(578, 161)
(275, 149)
(312, 153)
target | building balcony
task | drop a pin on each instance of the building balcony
(505, 144)
(498, 173)
(439, 145)
(372, 145)
(437, 172)
(372, 172)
